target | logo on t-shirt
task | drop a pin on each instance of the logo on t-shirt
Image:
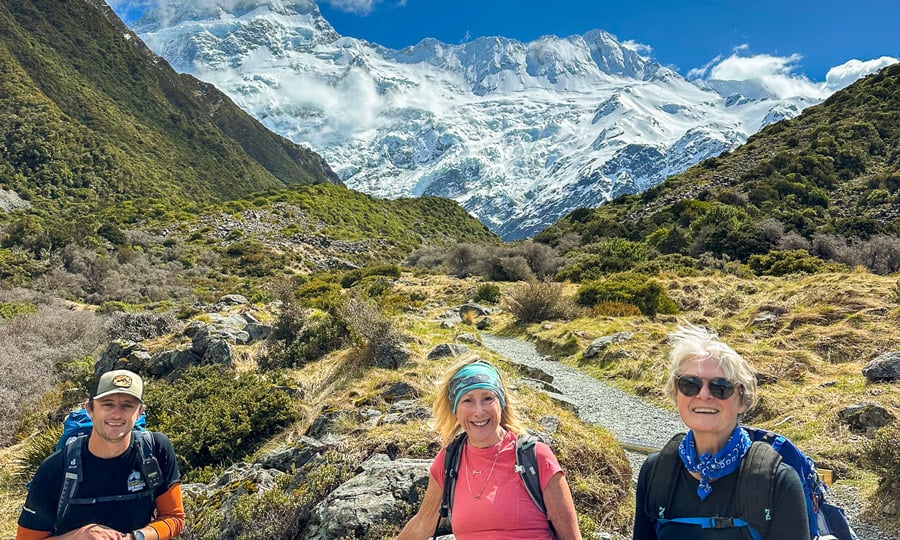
(135, 482)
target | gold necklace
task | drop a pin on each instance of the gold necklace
(486, 478)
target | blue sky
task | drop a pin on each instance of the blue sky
(812, 36)
(789, 41)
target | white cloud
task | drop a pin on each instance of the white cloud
(358, 7)
(852, 70)
(777, 74)
(639, 48)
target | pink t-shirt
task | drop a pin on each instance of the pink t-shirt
(503, 509)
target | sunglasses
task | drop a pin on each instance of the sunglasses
(690, 386)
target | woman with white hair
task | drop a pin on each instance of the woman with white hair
(692, 489)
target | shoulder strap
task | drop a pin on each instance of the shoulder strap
(451, 473)
(662, 479)
(756, 486)
(526, 466)
(148, 463)
(72, 473)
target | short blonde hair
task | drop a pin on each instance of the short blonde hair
(444, 419)
(694, 343)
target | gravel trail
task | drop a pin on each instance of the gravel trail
(637, 424)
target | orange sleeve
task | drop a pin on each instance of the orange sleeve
(29, 534)
(169, 520)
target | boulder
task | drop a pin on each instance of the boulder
(884, 368)
(288, 458)
(865, 418)
(599, 345)
(447, 350)
(392, 355)
(381, 493)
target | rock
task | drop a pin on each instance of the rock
(884, 368)
(600, 344)
(289, 458)
(324, 424)
(380, 493)
(233, 300)
(865, 418)
(468, 338)
(447, 325)
(397, 391)
(218, 352)
(447, 350)
(549, 423)
(476, 310)
(764, 318)
(116, 356)
(405, 411)
(392, 355)
(257, 332)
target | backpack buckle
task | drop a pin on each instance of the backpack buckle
(722, 522)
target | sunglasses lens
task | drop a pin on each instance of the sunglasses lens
(721, 388)
(689, 385)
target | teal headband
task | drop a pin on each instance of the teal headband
(473, 376)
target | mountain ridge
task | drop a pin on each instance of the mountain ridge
(518, 133)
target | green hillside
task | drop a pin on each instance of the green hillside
(90, 116)
(826, 182)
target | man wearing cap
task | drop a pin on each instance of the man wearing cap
(113, 500)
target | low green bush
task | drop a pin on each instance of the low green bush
(780, 263)
(645, 293)
(488, 293)
(214, 416)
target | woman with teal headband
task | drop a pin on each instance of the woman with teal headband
(490, 500)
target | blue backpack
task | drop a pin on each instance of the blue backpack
(76, 428)
(755, 476)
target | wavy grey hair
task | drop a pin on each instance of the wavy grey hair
(694, 343)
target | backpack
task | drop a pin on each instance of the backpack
(76, 429)
(526, 466)
(756, 475)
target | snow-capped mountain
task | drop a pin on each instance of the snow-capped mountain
(519, 133)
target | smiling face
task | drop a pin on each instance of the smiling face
(478, 412)
(712, 420)
(114, 416)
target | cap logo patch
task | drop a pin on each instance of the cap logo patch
(122, 381)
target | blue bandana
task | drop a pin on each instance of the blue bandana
(473, 376)
(710, 467)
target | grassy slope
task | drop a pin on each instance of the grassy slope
(90, 114)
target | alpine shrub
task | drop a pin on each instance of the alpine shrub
(215, 416)
(487, 293)
(537, 301)
(780, 263)
(646, 294)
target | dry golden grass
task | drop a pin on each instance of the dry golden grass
(827, 328)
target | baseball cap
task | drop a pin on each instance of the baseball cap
(120, 381)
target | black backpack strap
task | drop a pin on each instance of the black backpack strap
(149, 465)
(451, 473)
(756, 486)
(74, 472)
(527, 467)
(661, 480)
